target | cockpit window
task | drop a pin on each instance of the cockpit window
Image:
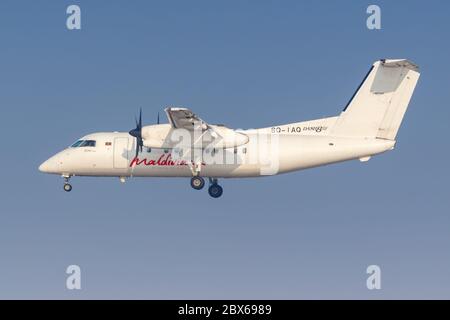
(83, 143)
(88, 143)
(77, 144)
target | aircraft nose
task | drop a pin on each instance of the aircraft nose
(44, 167)
(48, 166)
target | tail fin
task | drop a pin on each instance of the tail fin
(377, 108)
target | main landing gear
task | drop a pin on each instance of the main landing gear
(197, 183)
(67, 186)
(214, 190)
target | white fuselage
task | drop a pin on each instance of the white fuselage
(281, 150)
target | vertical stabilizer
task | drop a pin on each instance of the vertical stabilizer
(377, 108)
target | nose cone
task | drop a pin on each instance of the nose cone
(49, 166)
(44, 167)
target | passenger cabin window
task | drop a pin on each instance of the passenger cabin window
(84, 143)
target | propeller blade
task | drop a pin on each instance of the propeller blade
(137, 133)
(158, 118)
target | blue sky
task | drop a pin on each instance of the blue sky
(247, 64)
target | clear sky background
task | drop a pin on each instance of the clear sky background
(247, 64)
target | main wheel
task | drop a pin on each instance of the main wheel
(197, 183)
(215, 191)
(67, 187)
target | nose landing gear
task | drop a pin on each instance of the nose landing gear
(67, 186)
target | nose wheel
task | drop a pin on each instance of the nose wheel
(67, 186)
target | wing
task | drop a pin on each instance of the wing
(183, 118)
(218, 135)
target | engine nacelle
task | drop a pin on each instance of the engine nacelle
(164, 136)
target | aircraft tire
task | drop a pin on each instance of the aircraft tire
(197, 183)
(215, 191)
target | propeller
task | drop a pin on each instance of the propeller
(137, 133)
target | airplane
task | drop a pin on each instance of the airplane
(189, 147)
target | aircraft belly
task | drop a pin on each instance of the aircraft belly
(160, 171)
(212, 170)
